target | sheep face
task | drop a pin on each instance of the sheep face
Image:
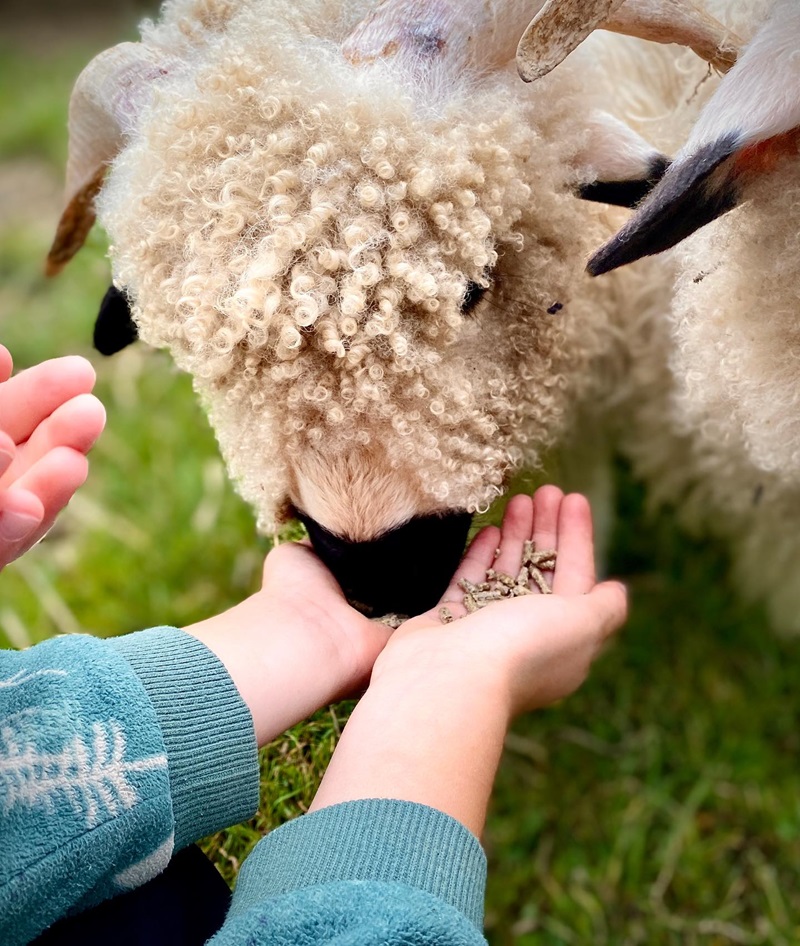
(375, 282)
(346, 275)
(370, 276)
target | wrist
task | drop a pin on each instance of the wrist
(429, 736)
(283, 668)
(444, 670)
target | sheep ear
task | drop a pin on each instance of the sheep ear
(114, 328)
(620, 166)
(108, 96)
(751, 122)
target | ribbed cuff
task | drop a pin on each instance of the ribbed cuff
(377, 839)
(207, 728)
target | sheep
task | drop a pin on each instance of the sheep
(732, 327)
(752, 122)
(359, 232)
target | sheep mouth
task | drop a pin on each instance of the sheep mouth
(404, 571)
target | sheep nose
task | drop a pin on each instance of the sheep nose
(404, 571)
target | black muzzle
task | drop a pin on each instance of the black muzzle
(404, 571)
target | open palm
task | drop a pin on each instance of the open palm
(539, 647)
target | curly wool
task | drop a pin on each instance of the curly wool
(737, 333)
(713, 487)
(717, 434)
(300, 234)
(723, 444)
(301, 240)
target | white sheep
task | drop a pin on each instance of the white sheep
(733, 331)
(359, 232)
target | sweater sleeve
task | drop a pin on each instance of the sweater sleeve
(376, 871)
(112, 754)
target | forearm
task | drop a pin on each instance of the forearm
(283, 671)
(206, 728)
(84, 776)
(435, 740)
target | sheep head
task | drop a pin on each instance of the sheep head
(364, 247)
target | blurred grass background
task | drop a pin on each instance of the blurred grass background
(660, 805)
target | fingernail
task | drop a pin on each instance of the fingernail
(16, 525)
(7, 456)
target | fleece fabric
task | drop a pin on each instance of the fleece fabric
(98, 783)
(114, 754)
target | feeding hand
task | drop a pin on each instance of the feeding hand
(534, 648)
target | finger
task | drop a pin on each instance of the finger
(21, 516)
(476, 561)
(546, 506)
(33, 394)
(574, 573)
(608, 604)
(6, 364)
(517, 528)
(53, 480)
(8, 451)
(76, 424)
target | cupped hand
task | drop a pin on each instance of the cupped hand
(296, 582)
(48, 422)
(530, 650)
(294, 646)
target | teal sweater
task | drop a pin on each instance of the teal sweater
(115, 754)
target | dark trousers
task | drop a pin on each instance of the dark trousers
(184, 906)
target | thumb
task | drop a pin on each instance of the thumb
(292, 561)
(609, 603)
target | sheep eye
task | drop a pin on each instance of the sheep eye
(473, 295)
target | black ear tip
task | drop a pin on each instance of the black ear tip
(114, 328)
(692, 193)
(606, 259)
(627, 193)
(659, 167)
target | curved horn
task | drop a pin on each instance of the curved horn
(562, 25)
(108, 95)
(558, 28)
(475, 32)
(675, 21)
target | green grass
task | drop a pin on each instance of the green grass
(660, 805)
(32, 102)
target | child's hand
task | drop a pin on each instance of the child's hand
(48, 422)
(297, 585)
(531, 650)
(431, 726)
(294, 646)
